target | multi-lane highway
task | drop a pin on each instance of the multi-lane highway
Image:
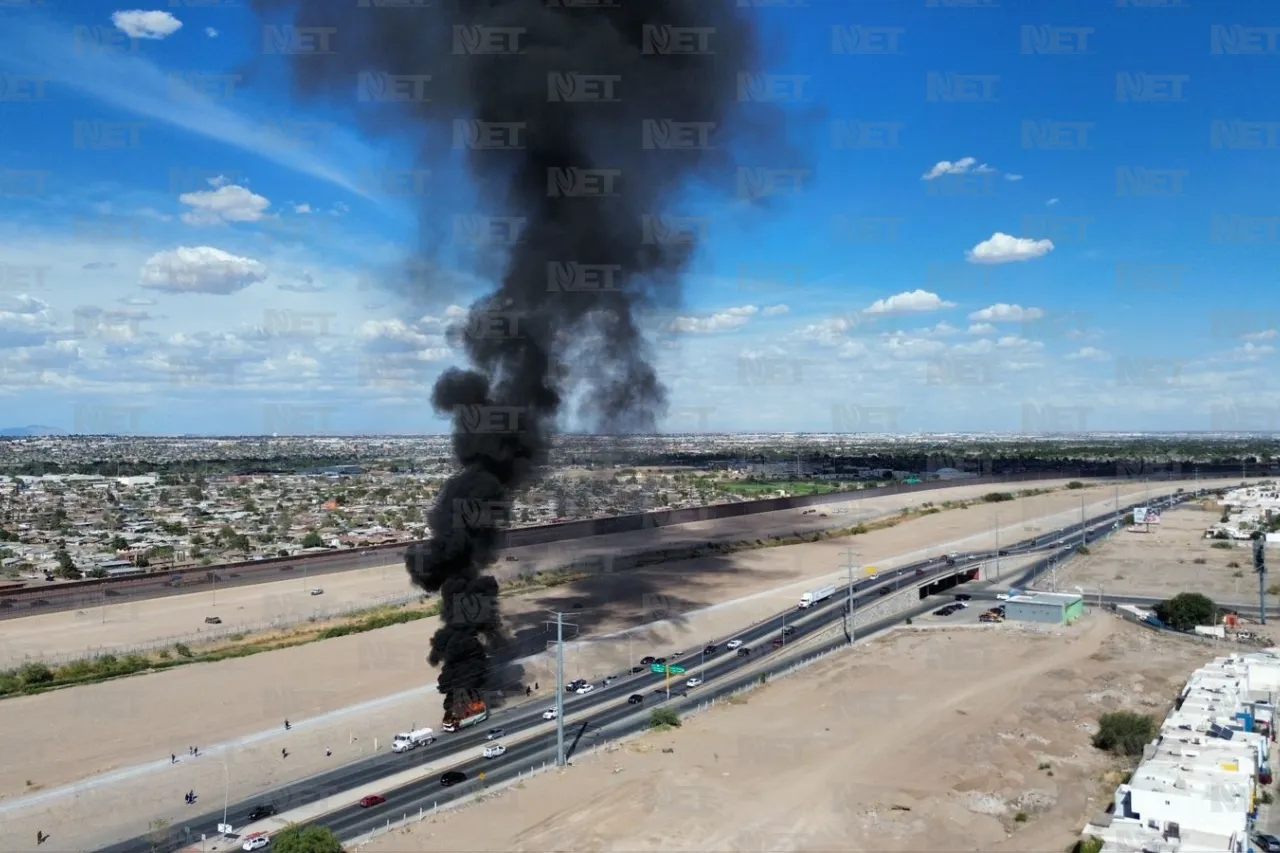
(607, 704)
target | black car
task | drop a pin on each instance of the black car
(660, 660)
(648, 659)
(635, 699)
(453, 777)
(789, 630)
(260, 812)
(744, 652)
(709, 650)
(638, 669)
(941, 611)
(1268, 843)
(884, 590)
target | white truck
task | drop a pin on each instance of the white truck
(813, 597)
(406, 741)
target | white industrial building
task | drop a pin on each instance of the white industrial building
(1197, 786)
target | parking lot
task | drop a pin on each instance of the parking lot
(964, 616)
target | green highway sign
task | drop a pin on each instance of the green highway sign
(660, 669)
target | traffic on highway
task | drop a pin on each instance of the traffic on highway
(610, 703)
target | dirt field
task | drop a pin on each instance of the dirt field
(124, 627)
(1174, 557)
(920, 741)
(321, 687)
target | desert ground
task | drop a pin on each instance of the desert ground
(1173, 557)
(343, 693)
(928, 740)
(127, 626)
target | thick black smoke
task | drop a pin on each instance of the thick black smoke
(589, 85)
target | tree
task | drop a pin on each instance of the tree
(305, 839)
(1124, 732)
(312, 540)
(1187, 610)
(66, 566)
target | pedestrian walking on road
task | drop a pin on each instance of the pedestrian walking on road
(284, 753)
(173, 758)
(535, 685)
(195, 750)
(41, 838)
(287, 726)
(327, 752)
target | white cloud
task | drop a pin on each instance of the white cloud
(1089, 354)
(1004, 313)
(1003, 249)
(903, 346)
(942, 329)
(1251, 351)
(302, 208)
(1012, 177)
(137, 24)
(1268, 335)
(960, 167)
(211, 32)
(982, 329)
(723, 321)
(228, 203)
(775, 311)
(200, 269)
(26, 322)
(1051, 202)
(911, 302)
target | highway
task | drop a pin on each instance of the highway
(607, 704)
(55, 597)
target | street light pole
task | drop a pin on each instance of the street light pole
(560, 762)
(997, 545)
(849, 626)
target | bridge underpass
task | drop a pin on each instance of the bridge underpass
(943, 583)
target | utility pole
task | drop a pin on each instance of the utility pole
(1260, 566)
(1084, 535)
(997, 545)
(560, 762)
(849, 630)
(560, 625)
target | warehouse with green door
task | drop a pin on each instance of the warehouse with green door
(1046, 608)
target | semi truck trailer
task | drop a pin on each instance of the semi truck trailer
(813, 597)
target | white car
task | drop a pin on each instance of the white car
(317, 591)
(693, 682)
(585, 689)
(549, 714)
(1002, 596)
(733, 644)
(494, 750)
(256, 843)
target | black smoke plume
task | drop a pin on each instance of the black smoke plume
(576, 285)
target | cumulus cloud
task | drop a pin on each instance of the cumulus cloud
(1089, 354)
(723, 321)
(1251, 351)
(200, 269)
(302, 208)
(1004, 249)
(1004, 313)
(211, 32)
(25, 322)
(960, 167)
(910, 302)
(1268, 335)
(302, 283)
(775, 311)
(226, 203)
(137, 24)
(982, 329)
(900, 345)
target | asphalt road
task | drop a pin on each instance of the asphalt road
(718, 666)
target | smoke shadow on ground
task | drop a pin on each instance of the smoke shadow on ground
(609, 601)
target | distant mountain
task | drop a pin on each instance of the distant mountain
(30, 431)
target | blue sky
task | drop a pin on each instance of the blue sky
(1010, 220)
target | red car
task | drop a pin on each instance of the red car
(371, 801)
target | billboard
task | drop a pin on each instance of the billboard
(1140, 515)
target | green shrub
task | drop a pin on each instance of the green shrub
(1088, 845)
(1020, 817)
(35, 673)
(664, 718)
(997, 497)
(1124, 732)
(183, 650)
(1075, 484)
